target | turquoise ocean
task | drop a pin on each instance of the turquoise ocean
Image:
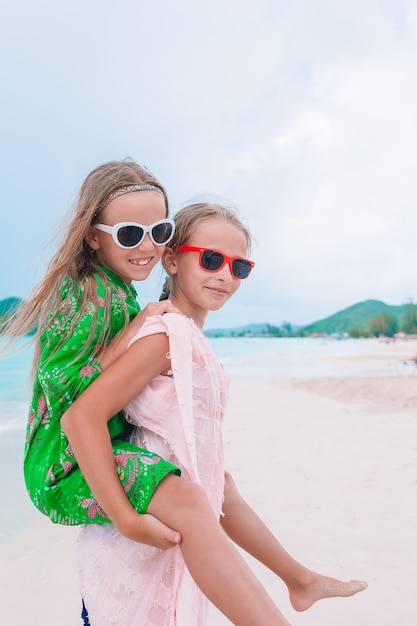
(243, 358)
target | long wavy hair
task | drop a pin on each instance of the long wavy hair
(186, 221)
(74, 259)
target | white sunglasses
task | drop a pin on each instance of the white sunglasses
(130, 234)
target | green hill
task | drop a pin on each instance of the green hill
(355, 316)
(8, 305)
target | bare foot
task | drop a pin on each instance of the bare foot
(317, 587)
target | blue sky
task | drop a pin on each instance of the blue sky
(302, 114)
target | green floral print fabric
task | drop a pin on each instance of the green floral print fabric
(53, 478)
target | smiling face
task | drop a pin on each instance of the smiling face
(196, 291)
(142, 207)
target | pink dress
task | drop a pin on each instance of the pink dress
(125, 583)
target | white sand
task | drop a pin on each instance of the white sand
(331, 466)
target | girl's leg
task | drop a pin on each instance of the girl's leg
(214, 563)
(246, 529)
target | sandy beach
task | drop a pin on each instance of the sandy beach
(329, 463)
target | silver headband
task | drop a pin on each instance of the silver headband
(127, 189)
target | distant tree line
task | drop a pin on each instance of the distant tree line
(383, 323)
(285, 330)
(386, 324)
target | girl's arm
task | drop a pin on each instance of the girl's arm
(85, 425)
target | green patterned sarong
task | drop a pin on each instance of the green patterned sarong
(53, 478)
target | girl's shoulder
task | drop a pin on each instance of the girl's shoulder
(90, 297)
(171, 324)
(101, 283)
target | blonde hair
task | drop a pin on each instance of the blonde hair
(74, 258)
(186, 221)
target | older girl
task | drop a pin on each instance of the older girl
(81, 311)
(175, 391)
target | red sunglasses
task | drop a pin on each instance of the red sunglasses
(213, 261)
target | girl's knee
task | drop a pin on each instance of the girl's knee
(231, 492)
(231, 495)
(191, 496)
(181, 495)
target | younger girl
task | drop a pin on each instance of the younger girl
(175, 392)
